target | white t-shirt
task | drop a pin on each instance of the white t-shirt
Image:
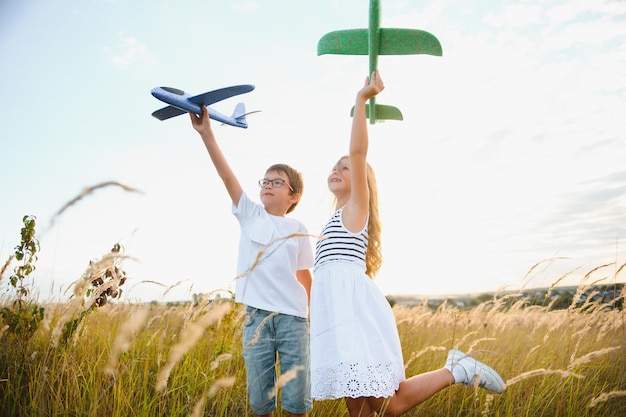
(271, 284)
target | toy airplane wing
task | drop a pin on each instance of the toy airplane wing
(168, 112)
(222, 94)
(344, 42)
(392, 42)
(408, 42)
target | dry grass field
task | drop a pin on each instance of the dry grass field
(138, 360)
(98, 356)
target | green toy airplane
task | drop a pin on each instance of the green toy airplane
(378, 41)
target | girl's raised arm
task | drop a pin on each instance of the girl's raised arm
(356, 210)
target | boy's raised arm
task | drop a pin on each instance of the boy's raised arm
(202, 125)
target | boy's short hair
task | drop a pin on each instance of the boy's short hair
(295, 181)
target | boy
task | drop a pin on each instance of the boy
(274, 280)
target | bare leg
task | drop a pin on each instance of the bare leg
(359, 407)
(264, 415)
(412, 392)
(298, 415)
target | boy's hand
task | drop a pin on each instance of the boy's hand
(201, 123)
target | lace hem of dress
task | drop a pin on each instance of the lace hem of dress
(356, 380)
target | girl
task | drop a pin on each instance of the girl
(355, 347)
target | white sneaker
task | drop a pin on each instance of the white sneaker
(488, 378)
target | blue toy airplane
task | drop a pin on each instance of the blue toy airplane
(378, 41)
(181, 103)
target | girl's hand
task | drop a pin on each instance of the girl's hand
(372, 86)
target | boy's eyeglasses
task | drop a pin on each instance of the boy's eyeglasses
(277, 183)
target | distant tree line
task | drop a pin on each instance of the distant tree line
(610, 296)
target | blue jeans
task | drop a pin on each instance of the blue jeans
(270, 337)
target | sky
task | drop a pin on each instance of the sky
(508, 170)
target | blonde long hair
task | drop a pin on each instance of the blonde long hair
(374, 254)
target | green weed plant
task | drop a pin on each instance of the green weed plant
(22, 317)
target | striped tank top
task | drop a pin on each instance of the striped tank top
(339, 244)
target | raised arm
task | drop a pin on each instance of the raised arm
(356, 209)
(203, 125)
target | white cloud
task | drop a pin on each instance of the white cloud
(245, 6)
(579, 9)
(591, 33)
(515, 16)
(130, 52)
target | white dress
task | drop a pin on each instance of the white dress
(355, 347)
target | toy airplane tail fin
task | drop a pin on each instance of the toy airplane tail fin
(239, 114)
(240, 111)
(382, 112)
